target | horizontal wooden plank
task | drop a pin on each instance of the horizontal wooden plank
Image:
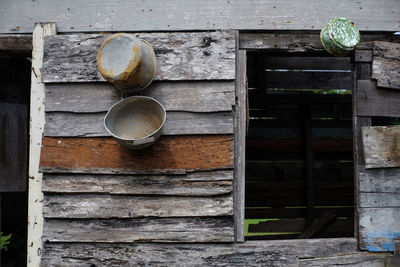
(294, 212)
(381, 146)
(388, 50)
(200, 96)
(359, 259)
(175, 154)
(240, 254)
(290, 111)
(16, 42)
(192, 184)
(214, 229)
(192, 15)
(378, 228)
(177, 123)
(376, 102)
(379, 200)
(249, 253)
(119, 206)
(294, 170)
(308, 80)
(296, 225)
(380, 181)
(304, 42)
(260, 98)
(305, 63)
(180, 56)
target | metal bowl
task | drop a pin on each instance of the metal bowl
(135, 122)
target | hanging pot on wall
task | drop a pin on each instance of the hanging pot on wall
(127, 61)
(340, 37)
(135, 122)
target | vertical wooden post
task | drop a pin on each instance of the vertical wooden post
(35, 199)
(308, 157)
(240, 142)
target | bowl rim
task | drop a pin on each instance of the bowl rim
(125, 100)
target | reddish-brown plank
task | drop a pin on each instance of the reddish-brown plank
(168, 154)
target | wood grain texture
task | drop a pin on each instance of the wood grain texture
(180, 56)
(380, 181)
(177, 123)
(378, 228)
(363, 55)
(386, 64)
(166, 230)
(16, 43)
(13, 147)
(302, 42)
(375, 200)
(118, 206)
(359, 259)
(247, 254)
(250, 253)
(240, 143)
(197, 96)
(192, 184)
(381, 146)
(372, 101)
(18, 16)
(167, 155)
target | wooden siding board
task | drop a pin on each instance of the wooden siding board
(16, 43)
(378, 228)
(127, 206)
(380, 181)
(379, 200)
(386, 64)
(18, 16)
(305, 42)
(168, 155)
(177, 123)
(360, 259)
(192, 184)
(247, 254)
(372, 101)
(381, 146)
(166, 230)
(193, 96)
(180, 56)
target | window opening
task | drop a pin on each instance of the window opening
(299, 151)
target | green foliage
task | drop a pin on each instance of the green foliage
(4, 241)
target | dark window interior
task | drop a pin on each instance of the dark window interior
(299, 148)
(14, 114)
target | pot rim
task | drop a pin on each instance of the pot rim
(129, 98)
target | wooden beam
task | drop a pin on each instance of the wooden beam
(308, 170)
(35, 198)
(180, 56)
(381, 146)
(176, 154)
(240, 144)
(358, 259)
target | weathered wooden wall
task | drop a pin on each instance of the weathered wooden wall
(96, 16)
(178, 190)
(376, 153)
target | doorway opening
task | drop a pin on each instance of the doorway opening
(14, 140)
(299, 147)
